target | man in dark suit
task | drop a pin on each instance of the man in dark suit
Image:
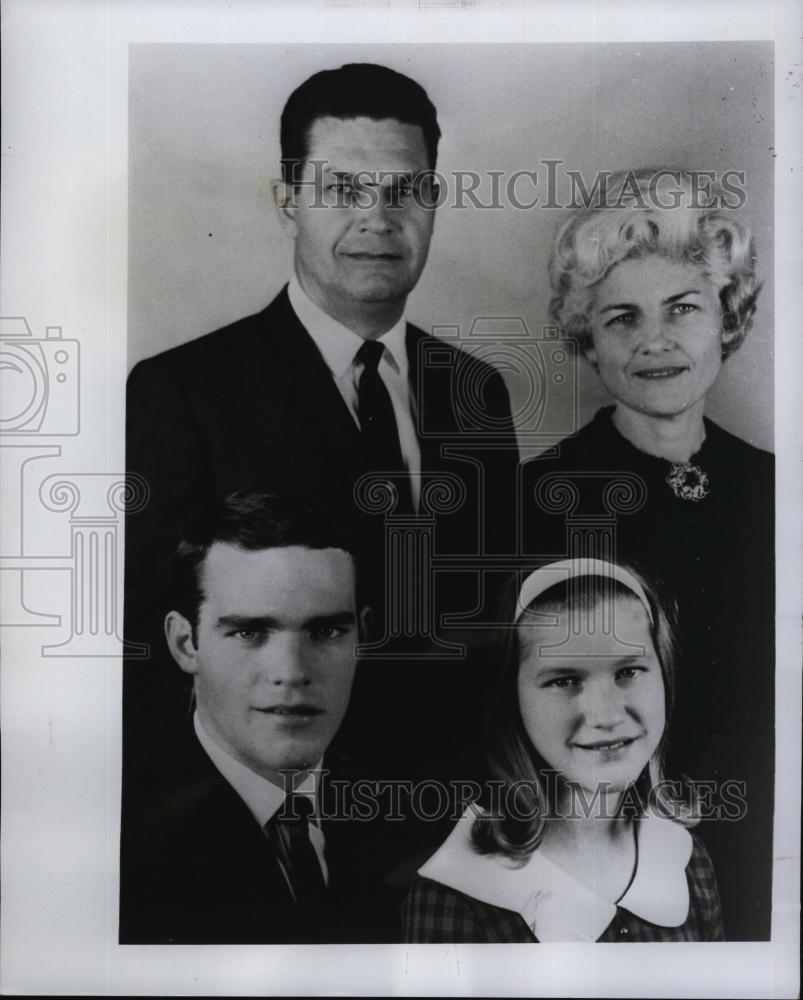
(327, 384)
(244, 843)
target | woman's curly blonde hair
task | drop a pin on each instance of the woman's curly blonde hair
(594, 239)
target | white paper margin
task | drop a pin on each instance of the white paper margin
(64, 264)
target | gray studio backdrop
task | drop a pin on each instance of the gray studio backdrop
(205, 246)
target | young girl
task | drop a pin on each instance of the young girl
(577, 838)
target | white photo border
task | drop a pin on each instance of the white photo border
(64, 263)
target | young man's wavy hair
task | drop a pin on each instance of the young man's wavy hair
(252, 520)
(512, 823)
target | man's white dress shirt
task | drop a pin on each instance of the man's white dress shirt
(339, 345)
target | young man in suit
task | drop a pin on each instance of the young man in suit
(330, 383)
(243, 844)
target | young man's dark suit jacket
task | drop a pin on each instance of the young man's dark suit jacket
(254, 406)
(195, 868)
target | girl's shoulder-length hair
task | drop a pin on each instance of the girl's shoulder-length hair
(519, 793)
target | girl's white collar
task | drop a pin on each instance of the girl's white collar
(555, 906)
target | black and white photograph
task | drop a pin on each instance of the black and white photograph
(402, 495)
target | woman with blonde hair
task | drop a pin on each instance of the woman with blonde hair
(657, 287)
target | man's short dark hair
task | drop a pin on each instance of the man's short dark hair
(252, 521)
(356, 90)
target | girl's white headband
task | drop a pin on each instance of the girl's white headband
(559, 572)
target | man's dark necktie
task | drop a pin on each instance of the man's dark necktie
(306, 876)
(380, 433)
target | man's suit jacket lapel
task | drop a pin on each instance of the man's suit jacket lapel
(195, 866)
(291, 386)
(434, 408)
(294, 396)
(222, 823)
(291, 390)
